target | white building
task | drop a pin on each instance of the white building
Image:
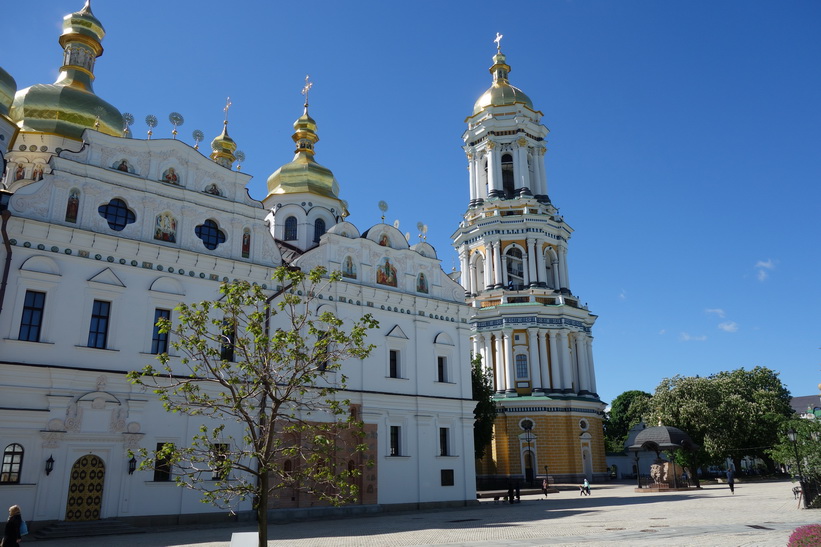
(104, 234)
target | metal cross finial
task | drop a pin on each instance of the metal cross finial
(227, 106)
(306, 88)
(498, 41)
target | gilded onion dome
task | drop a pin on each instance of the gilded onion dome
(303, 174)
(8, 87)
(69, 106)
(223, 148)
(501, 92)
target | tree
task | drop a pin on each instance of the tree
(484, 413)
(280, 386)
(626, 411)
(730, 414)
(806, 447)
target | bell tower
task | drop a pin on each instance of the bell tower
(533, 334)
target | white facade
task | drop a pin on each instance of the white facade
(109, 230)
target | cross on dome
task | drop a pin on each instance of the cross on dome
(306, 88)
(227, 106)
(498, 41)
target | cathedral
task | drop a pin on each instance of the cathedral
(532, 333)
(103, 234)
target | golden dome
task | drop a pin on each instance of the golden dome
(223, 148)
(303, 174)
(69, 106)
(8, 87)
(501, 93)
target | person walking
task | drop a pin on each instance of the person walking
(584, 488)
(731, 481)
(544, 487)
(11, 535)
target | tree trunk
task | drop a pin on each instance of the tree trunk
(262, 510)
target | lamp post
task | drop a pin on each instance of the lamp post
(793, 436)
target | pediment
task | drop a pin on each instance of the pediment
(107, 277)
(41, 264)
(167, 285)
(396, 332)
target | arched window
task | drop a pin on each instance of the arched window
(290, 229)
(246, 243)
(515, 269)
(521, 366)
(507, 175)
(12, 464)
(319, 229)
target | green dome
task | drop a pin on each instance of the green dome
(8, 87)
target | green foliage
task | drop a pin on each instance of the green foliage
(278, 378)
(626, 411)
(806, 448)
(484, 413)
(730, 414)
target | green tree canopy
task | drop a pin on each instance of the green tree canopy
(484, 413)
(277, 379)
(626, 411)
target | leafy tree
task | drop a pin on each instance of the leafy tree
(281, 386)
(484, 413)
(626, 411)
(806, 446)
(730, 414)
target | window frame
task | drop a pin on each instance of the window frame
(394, 363)
(395, 441)
(221, 451)
(317, 233)
(30, 310)
(442, 369)
(12, 464)
(98, 316)
(290, 228)
(520, 361)
(162, 467)
(159, 340)
(444, 441)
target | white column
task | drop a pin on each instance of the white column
(591, 369)
(476, 347)
(563, 263)
(541, 271)
(556, 280)
(497, 264)
(499, 371)
(544, 364)
(567, 368)
(488, 265)
(494, 180)
(509, 364)
(542, 172)
(533, 357)
(555, 363)
(522, 176)
(581, 359)
(504, 270)
(532, 276)
(465, 265)
(474, 178)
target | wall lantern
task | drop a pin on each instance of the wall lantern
(49, 465)
(132, 465)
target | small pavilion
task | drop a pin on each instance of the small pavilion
(666, 475)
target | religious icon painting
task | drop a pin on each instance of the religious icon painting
(246, 243)
(422, 283)
(386, 273)
(348, 268)
(72, 205)
(170, 176)
(165, 228)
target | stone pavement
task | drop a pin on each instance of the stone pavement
(759, 514)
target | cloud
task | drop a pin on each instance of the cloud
(623, 295)
(717, 311)
(687, 337)
(763, 268)
(728, 326)
(663, 331)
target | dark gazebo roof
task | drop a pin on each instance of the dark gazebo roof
(663, 437)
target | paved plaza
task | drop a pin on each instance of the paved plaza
(759, 514)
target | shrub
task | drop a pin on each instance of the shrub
(808, 536)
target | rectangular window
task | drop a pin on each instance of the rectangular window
(220, 459)
(228, 335)
(393, 369)
(447, 477)
(444, 441)
(162, 467)
(521, 366)
(12, 462)
(442, 369)
(159, 340)
(32, 319)
(98, 331)
(396, 434)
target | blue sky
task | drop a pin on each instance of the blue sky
(685, 144)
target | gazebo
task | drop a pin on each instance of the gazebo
(662, 439)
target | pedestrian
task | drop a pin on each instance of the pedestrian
(510, 492)
(544, 487)
(586, 487)
(518, 495)
(11, 535)
(731, 481)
